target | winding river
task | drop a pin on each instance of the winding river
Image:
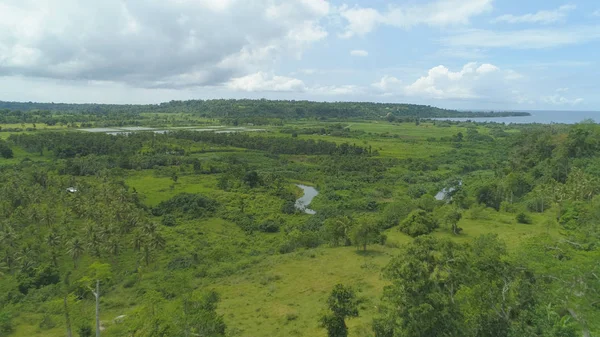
(309, 194)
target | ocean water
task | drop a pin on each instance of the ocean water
(542, 117)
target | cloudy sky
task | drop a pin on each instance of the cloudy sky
(471, 54)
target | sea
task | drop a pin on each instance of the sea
(538, 116)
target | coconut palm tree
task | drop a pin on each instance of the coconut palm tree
(75, 250)
(53, 240)
(8, 240)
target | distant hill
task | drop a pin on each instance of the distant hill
(231, 108)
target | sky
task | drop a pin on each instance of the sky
(460, 54)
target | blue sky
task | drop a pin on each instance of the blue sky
(465, 54)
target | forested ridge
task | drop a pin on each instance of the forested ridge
(15, 112)
(421, 229)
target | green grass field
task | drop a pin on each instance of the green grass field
(265, 293)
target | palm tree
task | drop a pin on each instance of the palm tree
(75, 250)
(149, 228)
(28, 256)
(151, 243)
(53, 240)
(157, 242)
(113, 247)
(8, 240)
(138, 241)
(94, 237)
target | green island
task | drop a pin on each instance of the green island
(183, 219)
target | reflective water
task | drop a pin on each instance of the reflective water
(542, 117)
(309, 194)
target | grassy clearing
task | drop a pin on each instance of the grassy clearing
(156, 189)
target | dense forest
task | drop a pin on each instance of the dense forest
(17, 112)
(426, 228)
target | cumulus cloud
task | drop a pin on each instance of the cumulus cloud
(388, 84)
(170, 43)
(473, 81)
(337, 90)
(262, 81)
(543, 17)
(359, 53)
(361, 21)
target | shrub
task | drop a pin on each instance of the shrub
(297, 239)
(418, 222)
(509, 207)
(84, 331)
(524, 218)
(372, 206)
(416, 191)
(478, 212)
(6, 325)
(289, 207)
(291, 317)
(5, 150)
(130, 281)
(396, 212)
(47, 322)
(382, 239)
(269, 226)
(169, 220)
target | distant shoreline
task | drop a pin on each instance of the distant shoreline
(490, 114)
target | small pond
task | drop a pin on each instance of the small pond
(441, 195)
(309, 194)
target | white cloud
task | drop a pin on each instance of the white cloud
(521, 98)
(473, 81)
(562, 89)
(261, 81)
(388, 84)
(561, 100)
(523, 39)
(360, 21)
(169, 43)
(513, 75)
(441, 82)
(440, 13)
(359, 53)
(543, 17)
(486, 68)
(337, 90)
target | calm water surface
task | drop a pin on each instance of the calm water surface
(542, 117)
(309, 194)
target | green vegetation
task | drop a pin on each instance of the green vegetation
(422, 229)
(234, 112)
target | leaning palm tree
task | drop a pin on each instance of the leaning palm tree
(75, 250)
